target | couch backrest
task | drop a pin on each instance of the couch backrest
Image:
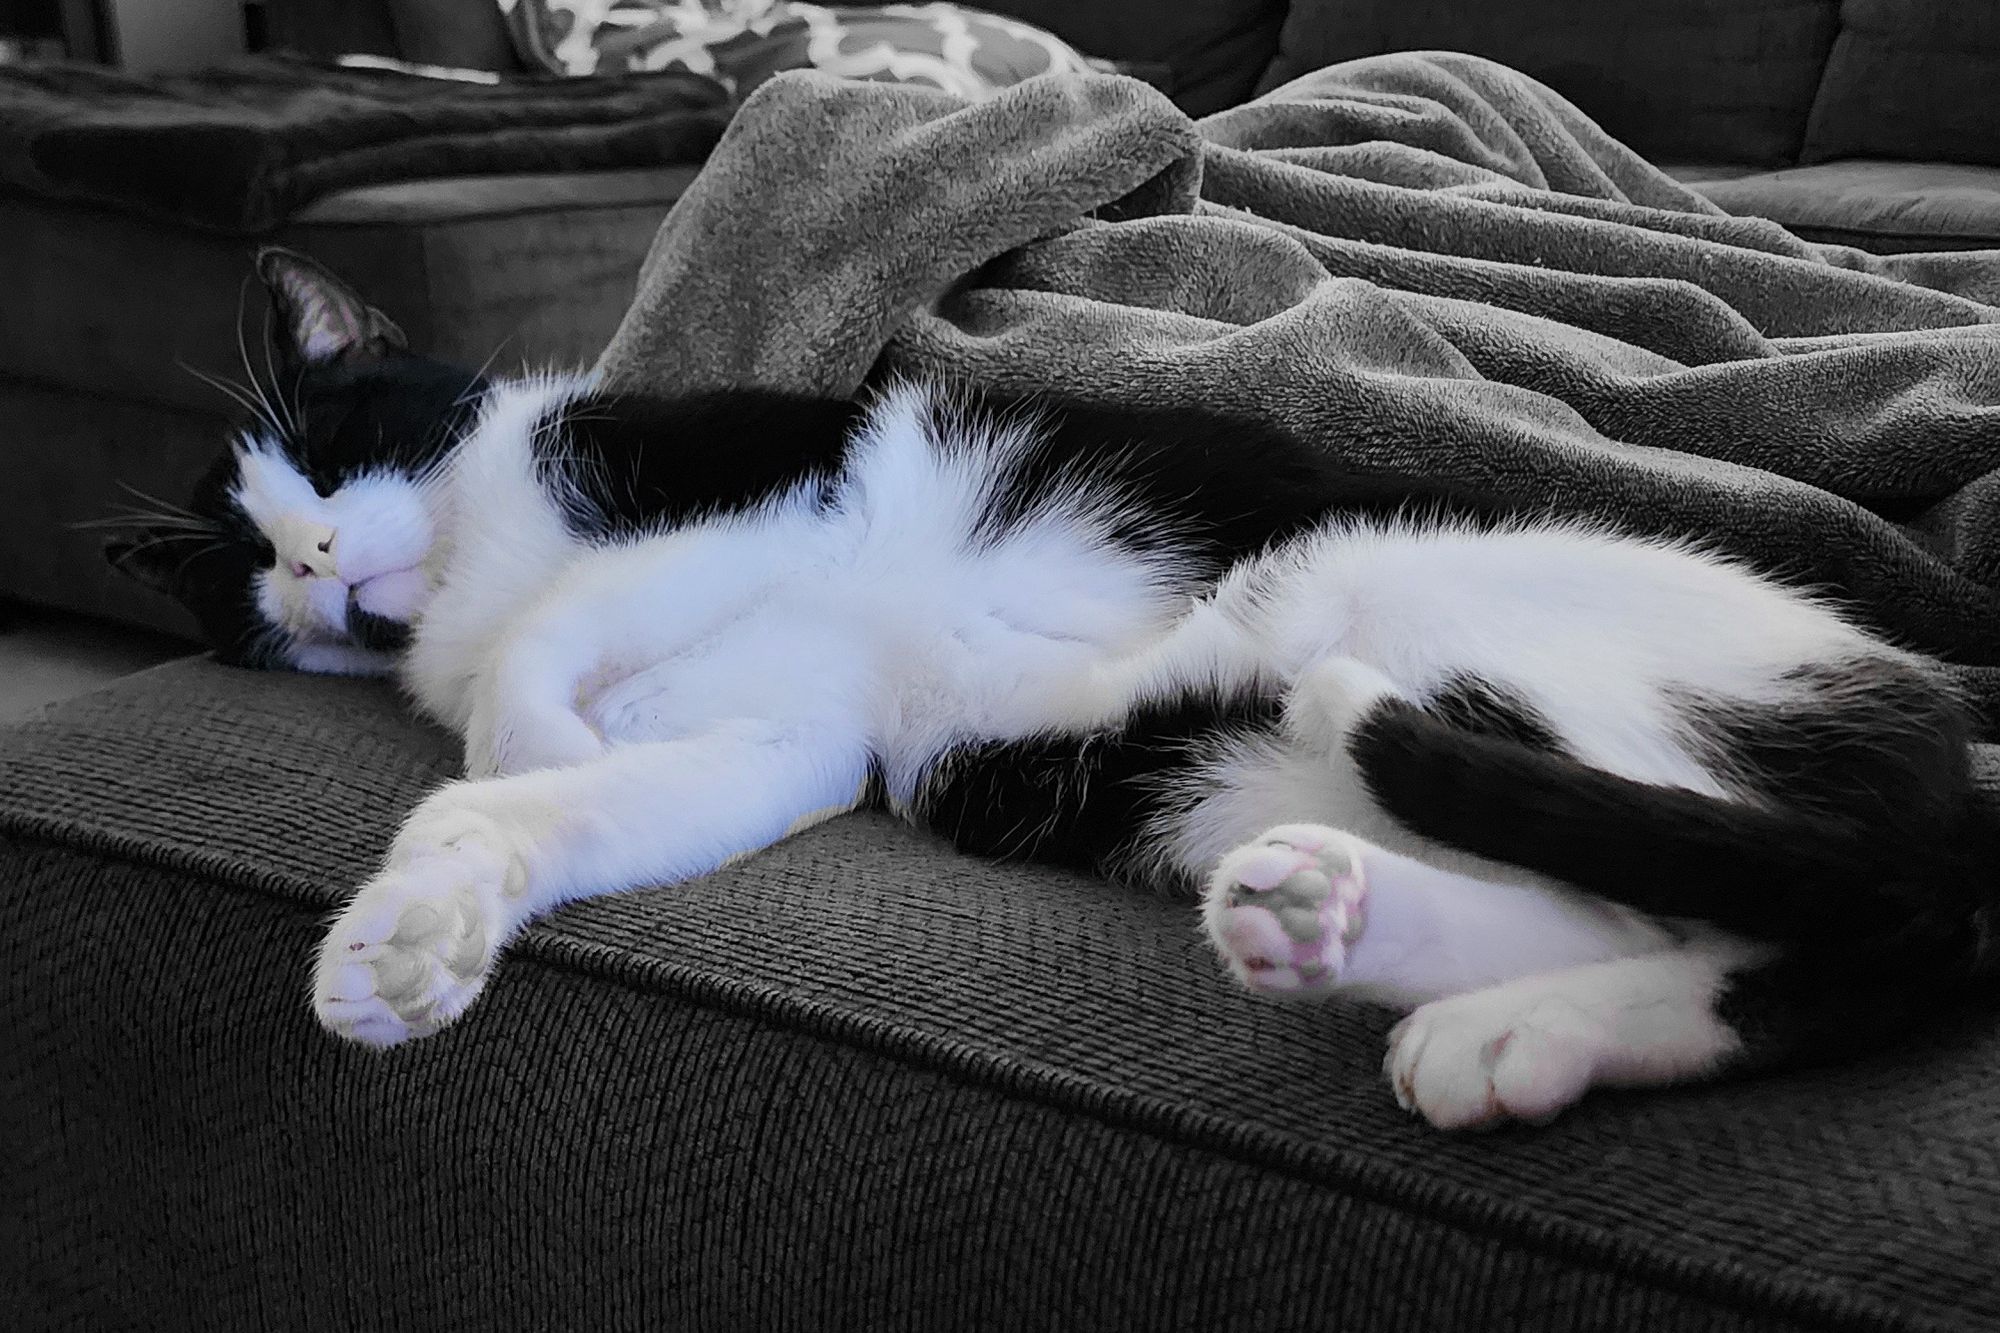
(1680, 80)
(469, 34)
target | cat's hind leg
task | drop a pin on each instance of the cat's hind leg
(1304, 909)
(1282, 910)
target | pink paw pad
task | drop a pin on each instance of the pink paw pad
(1284, 910)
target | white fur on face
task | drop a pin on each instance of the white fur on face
(371, 537)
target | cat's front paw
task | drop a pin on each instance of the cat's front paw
(412, 951)
(1283, 910)
(1481, 1059)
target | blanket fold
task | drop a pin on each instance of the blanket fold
(240, 148)
(1429, 264)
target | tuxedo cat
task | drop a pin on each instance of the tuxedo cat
(1597, 809)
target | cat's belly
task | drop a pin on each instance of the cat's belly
(905, 685)
(765, 670)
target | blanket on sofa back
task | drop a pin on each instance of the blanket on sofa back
(1429, 264)
(240, 148)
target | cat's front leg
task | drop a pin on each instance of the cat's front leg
(480, 859)
(505, 737)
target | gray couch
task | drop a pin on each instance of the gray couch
(856, 1081)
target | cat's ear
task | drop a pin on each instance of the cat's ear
(153, 558)
(320, 318)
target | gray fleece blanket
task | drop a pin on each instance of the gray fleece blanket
(1428, 264)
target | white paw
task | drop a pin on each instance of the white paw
(1283, 910)
(1491, 1056)
(414, 947)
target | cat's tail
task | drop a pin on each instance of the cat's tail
(1867, 844)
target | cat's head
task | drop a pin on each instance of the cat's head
(305, 545)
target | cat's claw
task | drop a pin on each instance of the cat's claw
(413, 949)
(1284, 909)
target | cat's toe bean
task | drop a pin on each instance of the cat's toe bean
(1283, 910)
(412, 950)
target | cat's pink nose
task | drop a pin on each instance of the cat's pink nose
(301, 570)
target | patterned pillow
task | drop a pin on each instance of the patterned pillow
(744, 42)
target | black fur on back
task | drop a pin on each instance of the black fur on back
(1218, 487)
(637, 464)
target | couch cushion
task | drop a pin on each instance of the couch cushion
(1887, 207)
(852, 1082)
(1910, 79)
(538, 267)
(1213, 51)
(1710, 79)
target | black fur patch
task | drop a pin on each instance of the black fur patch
(635, 464)
(1078, 800)
(1482, 708)
(1218, 488)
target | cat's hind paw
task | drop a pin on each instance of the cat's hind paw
(413, 949)
(1484, 1058)
(1283, 910)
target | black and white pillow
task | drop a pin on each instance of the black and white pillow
(744, 42)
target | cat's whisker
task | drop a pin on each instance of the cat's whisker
(161, 506)
(238, 395)
(475, 387)
(137, 521)
(279, 413)
(283, 400)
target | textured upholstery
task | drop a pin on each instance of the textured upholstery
(1728, 80)
(1911, 79)
(526, 270)
(853, 1082)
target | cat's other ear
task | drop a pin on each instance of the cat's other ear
(320, 318)
(153, 558)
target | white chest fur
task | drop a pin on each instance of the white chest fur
(885, 601)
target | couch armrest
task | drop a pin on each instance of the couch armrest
(469, 34)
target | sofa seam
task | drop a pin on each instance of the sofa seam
(1614, 1258)
(301, 223)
